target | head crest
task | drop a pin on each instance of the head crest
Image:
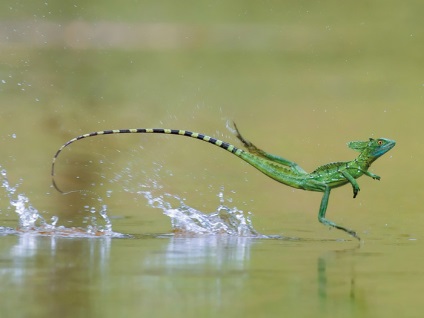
(357, 145)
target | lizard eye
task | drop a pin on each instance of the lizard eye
(380, 142)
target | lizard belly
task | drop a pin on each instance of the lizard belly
(338, 179)
(338, 183)
(318, 182)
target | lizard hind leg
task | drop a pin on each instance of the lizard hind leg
(323, 209)
(249, 146)
(294, 167)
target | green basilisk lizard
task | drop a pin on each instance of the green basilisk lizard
(323, 179)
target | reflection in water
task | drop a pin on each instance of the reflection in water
(342, 259)
(29, 246)
(51, 275)
(198, 272)
(216, 251)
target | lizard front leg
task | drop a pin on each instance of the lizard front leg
(370, 174)
(352, 180)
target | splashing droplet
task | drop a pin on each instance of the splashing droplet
(186, 220)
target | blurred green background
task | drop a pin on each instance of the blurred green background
(301, 78)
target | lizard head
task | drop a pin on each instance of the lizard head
(373, 148)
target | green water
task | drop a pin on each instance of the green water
(300, 79)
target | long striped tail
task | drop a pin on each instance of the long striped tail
(224, 145)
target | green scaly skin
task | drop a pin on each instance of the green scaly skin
(323, 179)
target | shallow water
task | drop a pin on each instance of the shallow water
(164, 225)
(208, 275)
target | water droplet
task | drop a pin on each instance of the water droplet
(54, 220)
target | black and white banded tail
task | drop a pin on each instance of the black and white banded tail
(222, 144)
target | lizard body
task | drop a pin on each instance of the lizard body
(322, 179)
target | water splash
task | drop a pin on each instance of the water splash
(31, 221)
(28, 215)
(185, 220)
(188, 221)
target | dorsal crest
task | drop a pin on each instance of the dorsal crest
(329, 166)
